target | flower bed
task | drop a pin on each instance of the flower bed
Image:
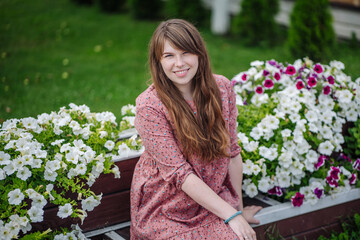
(292, 120)
(53, 160)
(291, 129)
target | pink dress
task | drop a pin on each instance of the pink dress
(159, 208)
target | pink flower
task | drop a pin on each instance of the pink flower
(268, 83)
(259, 90)
(334, 172)
(275, 191)
(326, 90)
(312, 82)
(318, 192)
(297, 200)
(244, 77)
(332, 182)
(331, 79)
(300, 85)
(290, 70)
(356, 164)
(318, 68)
(277, 76)
(265, 73)
(320, 162)
(352, 179)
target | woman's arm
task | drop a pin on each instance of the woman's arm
(201, 193)
(236, 177)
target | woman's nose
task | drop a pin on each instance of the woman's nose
(179, 61)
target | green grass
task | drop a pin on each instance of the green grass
(36, 36)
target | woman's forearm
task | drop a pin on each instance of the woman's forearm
(236, 176)
(201, 193)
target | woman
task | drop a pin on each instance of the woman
(187, 183)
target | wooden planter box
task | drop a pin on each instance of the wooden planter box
(305, 222)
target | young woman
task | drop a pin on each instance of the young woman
(187, 183)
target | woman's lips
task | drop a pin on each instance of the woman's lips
(181, 73)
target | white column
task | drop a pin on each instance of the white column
(220, 16)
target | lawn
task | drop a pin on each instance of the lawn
(54, 53)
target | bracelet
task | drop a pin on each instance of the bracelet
(234, 215)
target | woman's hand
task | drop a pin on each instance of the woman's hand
(249, 212)
(242, 228)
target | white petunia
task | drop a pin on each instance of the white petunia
(351, 115)
(251, 146)
(39, 201)
(2, 174)
(65, 211)
(15, 197)
(286, 133)
(311, 116)
(90, 203)
(283, 179)
(326, 132)
(312, 156)
(265, 184)
(50, 175)
(326, 148)
(80, 169)
(344, 96)
(251, 190)
(124, 150)
(36, 214)
(23, 173)
(256, 133)
(4, 158)
(243, 138)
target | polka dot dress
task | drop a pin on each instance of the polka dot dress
(159, 208)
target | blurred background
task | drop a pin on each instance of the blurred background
(94, 52)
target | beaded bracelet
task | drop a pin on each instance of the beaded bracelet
(234, 215)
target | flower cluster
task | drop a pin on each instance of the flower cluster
(293, 145)
(43, 158)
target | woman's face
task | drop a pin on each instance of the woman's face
(179, 66)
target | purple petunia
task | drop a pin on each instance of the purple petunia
(268, 83)
(277, 76)
(312, 82)
(276, 191)
(356, 164)
(318, 68)
(331, 79)
(352, 179)
(318, 192)
(297, 200)
(259, 90)
(300, 85)
(320, 162)
(266, 73)
(326, 90)
(290, 70)
(244, 77)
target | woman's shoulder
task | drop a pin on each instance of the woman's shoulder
(148, 97)
(223, 82)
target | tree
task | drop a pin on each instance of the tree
(311, 32)
(255, 23)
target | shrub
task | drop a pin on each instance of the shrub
(193, 12)
(311, 32)
(145, 9)
(255, 23)
(111, 5)
(83, 2)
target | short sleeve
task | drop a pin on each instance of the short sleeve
(235, 149)
(160, 143)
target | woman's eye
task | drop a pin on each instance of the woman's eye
(167, 55)
(185, 52)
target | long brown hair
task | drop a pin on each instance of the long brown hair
(205, 133)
